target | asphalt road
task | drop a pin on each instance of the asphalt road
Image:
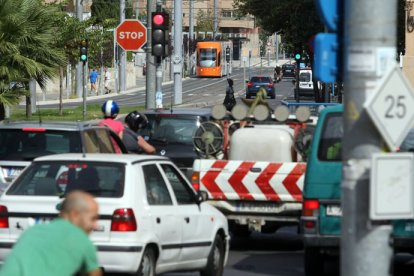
(196, 91)
(281, 254)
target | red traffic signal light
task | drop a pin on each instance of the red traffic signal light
(160, 25)
(158, 19)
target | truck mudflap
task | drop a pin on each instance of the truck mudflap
(252, 181)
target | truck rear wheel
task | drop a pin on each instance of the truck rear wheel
(314, 262)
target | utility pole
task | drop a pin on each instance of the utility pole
(191, 38)
(150, 76)
(370, 28)
(215, 8)
(137, 10)
(277, 47)
(79, 66)
(122, 52)
(178, 52)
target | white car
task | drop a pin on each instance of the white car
(151, 219)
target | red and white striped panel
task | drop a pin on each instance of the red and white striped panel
(244, 180)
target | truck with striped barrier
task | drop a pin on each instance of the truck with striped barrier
(257, 179)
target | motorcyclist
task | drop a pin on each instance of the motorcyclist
(229, 100)
(110, 110)
(133, 142)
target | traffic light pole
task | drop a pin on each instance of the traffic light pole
(297, 81)
(178, 52)
(150, 75)
(84, 90)
(158, 66)
(370, 30)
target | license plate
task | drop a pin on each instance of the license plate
(288, 71)
(42, 220)
(334, 210)
(257, 86)
(266, 207)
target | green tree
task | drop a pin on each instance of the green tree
(205, 21)
(107, 11)
(27, 48)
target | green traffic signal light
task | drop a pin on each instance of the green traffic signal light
(83, 51)
(298, 56)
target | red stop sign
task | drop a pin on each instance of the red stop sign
(131, 35)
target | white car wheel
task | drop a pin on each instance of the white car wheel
(147, 266)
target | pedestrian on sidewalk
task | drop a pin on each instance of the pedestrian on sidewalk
(93, 78)
(107, 81)
(61, 247)
(110, 110)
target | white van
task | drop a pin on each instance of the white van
(305, 82)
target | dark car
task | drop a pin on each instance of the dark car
(21, 142)
(171, 133)
(288, 70)
(259, 81)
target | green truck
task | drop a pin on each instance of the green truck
(320, 222)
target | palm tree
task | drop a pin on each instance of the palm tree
(27, 48)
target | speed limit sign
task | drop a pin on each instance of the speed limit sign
(390, 107)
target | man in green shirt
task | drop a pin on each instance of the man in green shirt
(61, 247)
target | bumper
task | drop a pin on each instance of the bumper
(403, 244)
(120, 258)
(322, 241)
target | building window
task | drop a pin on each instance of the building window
(226, 13)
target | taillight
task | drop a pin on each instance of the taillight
(249, 84)
(310, 208)
(123, 220)
(270, 84)
(4, 217)
(195, 181)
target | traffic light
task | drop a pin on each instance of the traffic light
(83, 51)
(160, 25)
(298, 56)
(228, 57)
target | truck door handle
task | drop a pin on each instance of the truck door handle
(255, 170)
(187, 219)
(158, 220)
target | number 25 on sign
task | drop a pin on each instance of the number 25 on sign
(387, 107)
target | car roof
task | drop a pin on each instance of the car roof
(100, 157)
(180, 111)
(50, 125)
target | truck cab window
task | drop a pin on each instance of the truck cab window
(330, 145)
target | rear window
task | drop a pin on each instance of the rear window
(288, 67)
(261, 79)
(176, 129)
(19, 145)
(330, 144)
(58, 178)
(305, 77)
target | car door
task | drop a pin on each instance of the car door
(197, 225)
(162, 213)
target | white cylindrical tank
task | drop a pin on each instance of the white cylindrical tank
(263, 143)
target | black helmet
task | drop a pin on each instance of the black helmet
(136, 120)
(230, 81)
